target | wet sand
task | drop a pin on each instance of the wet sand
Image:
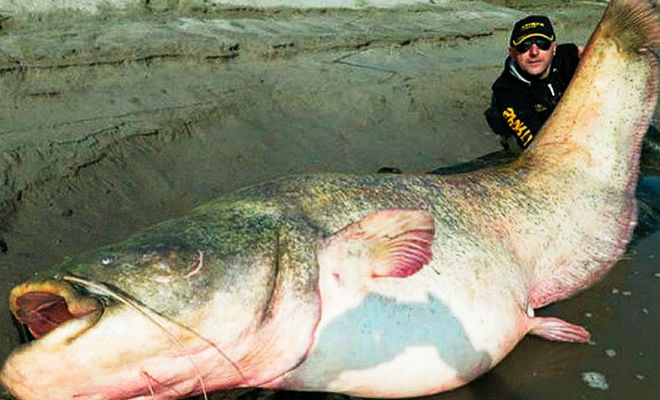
(98, 143)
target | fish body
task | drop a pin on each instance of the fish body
(375, 285)
(277, 276)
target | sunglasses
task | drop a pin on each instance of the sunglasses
(541, 43)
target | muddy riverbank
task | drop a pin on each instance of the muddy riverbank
(113, 120)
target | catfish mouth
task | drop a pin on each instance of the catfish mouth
(44, 306)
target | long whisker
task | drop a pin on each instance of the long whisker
(215, 346)
(113, 293)
(148, 378)
(151, 379)
(103, 289)
(197, 266)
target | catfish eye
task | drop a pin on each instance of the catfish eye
(107, 260)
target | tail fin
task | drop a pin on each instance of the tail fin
(591, 146)
(634, 25)
(617, 79)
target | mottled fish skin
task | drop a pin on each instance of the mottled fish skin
(269, 286)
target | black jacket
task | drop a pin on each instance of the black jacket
(520, 104)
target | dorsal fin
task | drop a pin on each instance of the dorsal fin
(394, 243)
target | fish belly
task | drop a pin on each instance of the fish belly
(407, 337)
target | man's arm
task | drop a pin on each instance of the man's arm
(512, 114)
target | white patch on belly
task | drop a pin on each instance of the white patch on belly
(417, 368)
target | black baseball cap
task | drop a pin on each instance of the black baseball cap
(533, 25)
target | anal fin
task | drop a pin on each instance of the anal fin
(559, 330)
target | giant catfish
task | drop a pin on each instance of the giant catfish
(377, 285)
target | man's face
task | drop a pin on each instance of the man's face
(535, 61)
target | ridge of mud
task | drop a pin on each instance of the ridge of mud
(46, 61)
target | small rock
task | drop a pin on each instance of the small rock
(588, 315)
(615, 290)
(657, 274)
(626, 293)
(645, 311)
(640, 377)
(595, 380)
(610, 352)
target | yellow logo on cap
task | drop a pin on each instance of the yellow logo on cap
(531, 25)
(520, 40)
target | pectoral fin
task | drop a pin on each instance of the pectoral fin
(389, 243)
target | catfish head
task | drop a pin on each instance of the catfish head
(223, 298)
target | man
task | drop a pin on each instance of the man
(535, 76)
